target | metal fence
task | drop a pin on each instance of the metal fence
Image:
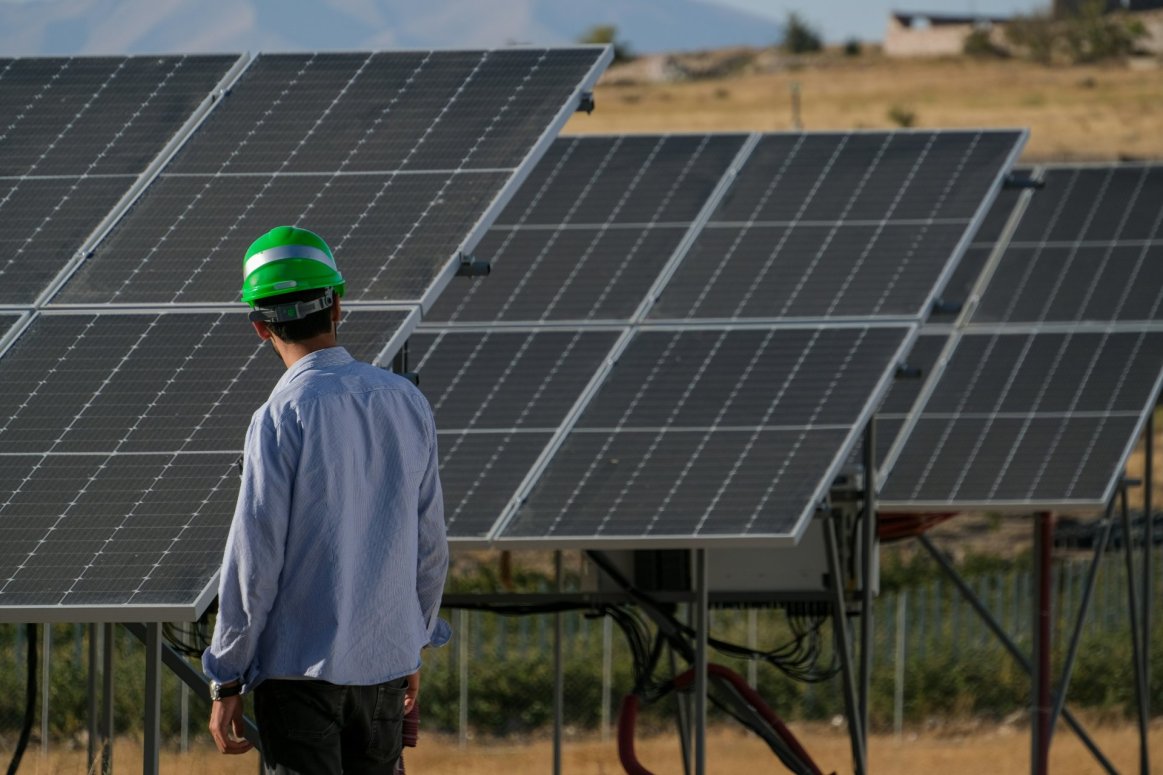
(496, 676)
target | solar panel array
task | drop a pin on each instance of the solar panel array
(1047, 379)
(130, 370)
(731, 309)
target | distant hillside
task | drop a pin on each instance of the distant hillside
(44, 27)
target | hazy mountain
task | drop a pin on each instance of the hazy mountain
(32, 27)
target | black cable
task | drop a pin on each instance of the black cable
(29, 704)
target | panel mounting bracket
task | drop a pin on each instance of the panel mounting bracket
(1013, 181)
(473, 267)
(905, 371)
(943, 307)
(585, 103)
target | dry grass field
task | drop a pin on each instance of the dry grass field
(1094, 113)
(1000, 750)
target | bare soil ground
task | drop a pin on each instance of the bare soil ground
(997, 750)
(1095, 113)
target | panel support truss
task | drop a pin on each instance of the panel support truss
(1006, 641)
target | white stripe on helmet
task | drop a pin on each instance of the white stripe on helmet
(287, 251)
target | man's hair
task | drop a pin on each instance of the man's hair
(304, 328)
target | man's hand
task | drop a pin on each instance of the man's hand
(226, 725)
(412, 693)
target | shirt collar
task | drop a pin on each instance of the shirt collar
(320, 359)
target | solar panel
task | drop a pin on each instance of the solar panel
(606, 224)
(836, 226)
(697, 433)
(1088, 248)
(499, 397)
(393, 157)
(1053, 371)
(77, 134)
(121, 427)
(119, 450)
(1029, 420)
(590, 231)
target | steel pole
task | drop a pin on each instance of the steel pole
(843, 645)
(91, 722)
(1042, 709)
(107, 643)
(558, 669)
(151, 756)
(1136, 636)
(866, 552)
(702, 624)
(1148, 570)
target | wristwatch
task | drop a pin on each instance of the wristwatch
(219, 691)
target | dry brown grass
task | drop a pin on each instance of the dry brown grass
(999, 750)
(1092, 112)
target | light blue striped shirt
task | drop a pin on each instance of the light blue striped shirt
(336, 558)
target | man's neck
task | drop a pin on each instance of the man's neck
(293, 352)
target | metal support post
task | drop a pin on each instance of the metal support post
(607, 674)
(1137, 639)
(151, 757)
(843, 644)
(1023, 661)
(558, 669)
(107, 643)
(1080, 621)
(1148, 570)
(462, 674)
(702, 624)
(683, 719)
(868, 534)
(1040, 695)
(45, 683)
(91, 722)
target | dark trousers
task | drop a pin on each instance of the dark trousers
(319, 728)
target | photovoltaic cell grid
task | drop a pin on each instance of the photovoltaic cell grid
(393, 157)
(1089, 248)
(834, 226)
(588, 233)
(119, 451)
(579, 247)
(583, 240)
(1057, 428)
(76, 135)
(499, 397)
(711, 434)
(121, 431)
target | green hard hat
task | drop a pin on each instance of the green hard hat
(288, 259)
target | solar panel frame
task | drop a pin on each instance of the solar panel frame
(1065, 504)
(513, 177)
(969, 225)
(183, 602)
(500, 536)
(168, 398)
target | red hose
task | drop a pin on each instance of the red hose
(628, 715)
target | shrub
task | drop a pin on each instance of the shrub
(1088, 34)
(980, 44)
(607, 34)
(902, 117)
(799, 37)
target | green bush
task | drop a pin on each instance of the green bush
(799, 37)
(1089, 34)
(607, 34)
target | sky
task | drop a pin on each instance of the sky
(841, 20)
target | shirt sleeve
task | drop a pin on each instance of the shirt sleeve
(254, 548)
(432, 554)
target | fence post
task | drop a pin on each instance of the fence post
(898, 699)
(607, 674)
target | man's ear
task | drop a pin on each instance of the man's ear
(335, 310)
(261, 329)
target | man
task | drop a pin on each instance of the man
(336, 557)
